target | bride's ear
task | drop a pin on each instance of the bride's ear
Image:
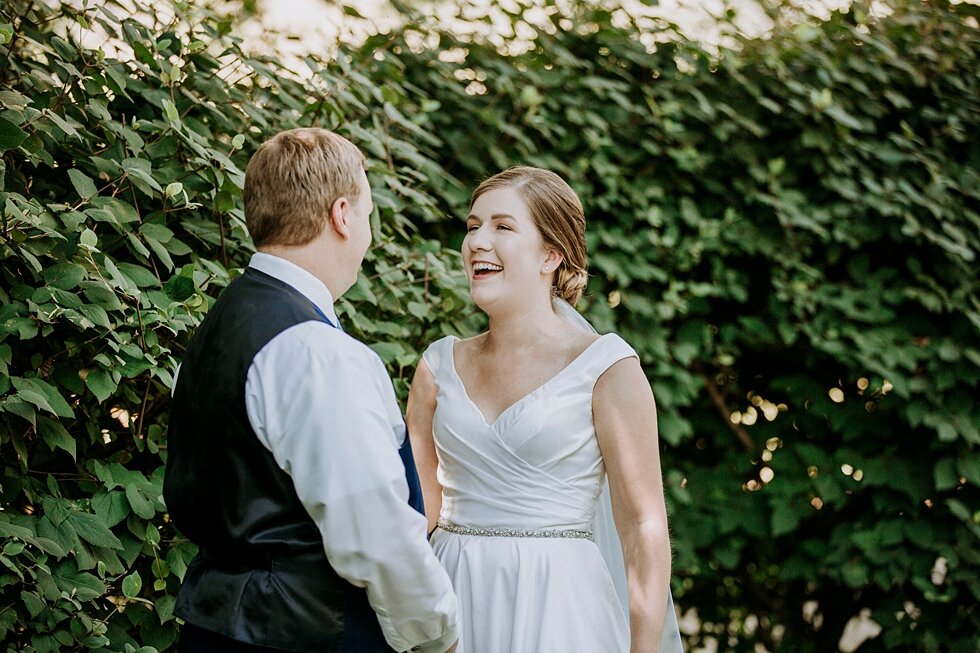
(552, 261)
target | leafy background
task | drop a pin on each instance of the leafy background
(786, 228)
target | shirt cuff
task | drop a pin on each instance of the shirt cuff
(399, 643)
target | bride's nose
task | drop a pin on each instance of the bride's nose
(477, 240)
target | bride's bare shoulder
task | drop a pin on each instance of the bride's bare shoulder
(578, 340)
(465, 346)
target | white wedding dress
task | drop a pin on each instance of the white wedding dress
(536, 467)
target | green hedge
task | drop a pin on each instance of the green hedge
(785, 230)
(122, 174)
(788, 233)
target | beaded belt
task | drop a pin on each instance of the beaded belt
(450, 527)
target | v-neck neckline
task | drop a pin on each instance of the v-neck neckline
(479, 411)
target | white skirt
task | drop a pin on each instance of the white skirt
(532, 595)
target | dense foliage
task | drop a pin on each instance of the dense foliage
(122, 220)
(785, 230)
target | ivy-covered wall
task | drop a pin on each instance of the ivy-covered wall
(786, 230)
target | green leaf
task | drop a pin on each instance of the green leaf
(170, 111)
(855, 574)
(14, 100)
(111, 507)
(119, 80)
(97, 293)
(88, 239)
(224, 202)
(13, 530)
(31, 396)
(139, 275)
(43, 395)
(10, 135)
(24, 327)
(93, 530)
(179, 287)
(121, 212)
(66, 127)
(969, 467)
(55, 511)
(142, 170)
(156, 232)
(99, 381)
(164, 607)
(84, 586)
(178, 565)
(131, 585)
(970, 519)
(96, 314)
(945, 474)
(138, 245)
(160, 568)
(784, 518)
(161, 252)
(388, 351)
(843, 117)
(55, 435)
(139, 501)
(35, 604)
(65, 275)
(83, 184)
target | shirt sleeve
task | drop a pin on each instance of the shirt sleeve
(323, 404)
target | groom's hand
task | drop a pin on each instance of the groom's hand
(453, 647)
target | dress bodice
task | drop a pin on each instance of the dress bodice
(538, 465)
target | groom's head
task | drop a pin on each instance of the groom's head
(293, 179)
(306, 187)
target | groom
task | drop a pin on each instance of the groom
(285, 439)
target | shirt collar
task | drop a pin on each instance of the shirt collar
(292, 274)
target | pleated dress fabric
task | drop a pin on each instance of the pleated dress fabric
(536, 467)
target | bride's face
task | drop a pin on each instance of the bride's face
(504, 254)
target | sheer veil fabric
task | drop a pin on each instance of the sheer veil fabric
(606, 536)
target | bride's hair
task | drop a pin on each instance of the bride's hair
(558, 215)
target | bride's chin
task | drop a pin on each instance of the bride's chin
(486, 302)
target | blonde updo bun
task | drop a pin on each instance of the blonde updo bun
(558, 215)
(569, 283)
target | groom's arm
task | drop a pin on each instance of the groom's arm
(324, 406)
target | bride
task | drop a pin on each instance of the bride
(515, 432)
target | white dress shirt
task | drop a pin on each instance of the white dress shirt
(323, 404)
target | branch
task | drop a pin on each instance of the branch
(718, 399)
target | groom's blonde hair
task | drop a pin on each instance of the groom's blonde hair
(293, 179)
(559, 217)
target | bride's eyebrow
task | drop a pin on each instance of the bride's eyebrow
(495, 216)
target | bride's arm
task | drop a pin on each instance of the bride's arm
(418, 415)
(626, 427)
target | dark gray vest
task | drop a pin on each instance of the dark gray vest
(261, 575)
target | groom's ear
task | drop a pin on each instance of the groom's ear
(338, 218)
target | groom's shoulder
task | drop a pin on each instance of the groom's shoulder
(323, 341)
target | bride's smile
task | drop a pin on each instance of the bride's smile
(504, 253)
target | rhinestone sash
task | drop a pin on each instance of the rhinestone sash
(450, 527)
